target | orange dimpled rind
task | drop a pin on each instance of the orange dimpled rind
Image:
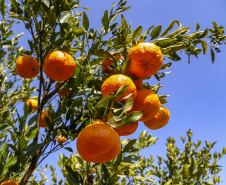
(98, 143)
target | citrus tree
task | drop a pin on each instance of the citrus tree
(78, 83)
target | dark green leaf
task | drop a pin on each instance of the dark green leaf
(125, 67)
(69, 149)
(124, 23)
(204, 46)
(3, 7)
(11, 161)
(32, 132)
(32, 119)
(22, 141)
(51, 18)
(163, 43)
(105, 18)
(32, 148)
(197, 27)
(204, 34)
(131, 118)
(121, 91)
(170, 27)
(75, 177)
(155, 32)
(78, 31)
(137, 32)
(103, 102)
(129, 145)
(128, 105)
(212, 55)
(102, 53)
(85, 23)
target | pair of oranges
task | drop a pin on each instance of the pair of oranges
(100, 143)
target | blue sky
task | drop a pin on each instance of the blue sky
(196, 90)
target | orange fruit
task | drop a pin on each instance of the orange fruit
(139, 83)
(159, 120)
(127, 129)
(98, 143)
(147, 102)
(59, 65)
(43, 121)
(10, 182)
(33, 103)
(146, 59)
(62, 92)
(61, 139)
(27, 66)
(108, 62)
(114, 82)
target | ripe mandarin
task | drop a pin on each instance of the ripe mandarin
(159, 120)
(27, 66)
(59, 65)
(10, 182)
(146, 59)
(127, 129)
(98, 143)
(114, 82)
(147, 102)
(33, 103)
(43, 121)
(61, 139)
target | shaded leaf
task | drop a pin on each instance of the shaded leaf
(74, 176)
(156, 32)
(85, 23)
(121, 91)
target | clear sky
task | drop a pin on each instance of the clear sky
(196, 90)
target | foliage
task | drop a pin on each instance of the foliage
(61, 25)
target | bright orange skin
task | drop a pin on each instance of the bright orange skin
(159, 120)
(61, 139)
(127, 129)
(10, 182)
(33, 103)
(107, 62)
(59, 65)
(114, 82)
(43, 121)
(147, 102)
(27, 66)
(146, 59)
(138, 83)
(98, 143)
(63, 92)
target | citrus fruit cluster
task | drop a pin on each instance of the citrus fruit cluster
(10, 182)
(100, 143)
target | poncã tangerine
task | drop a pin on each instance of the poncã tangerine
(127, 129)
(61, 139)
(27, 66)
(146, 59)
(43, 121)
(59, 65)
(98, 143)
(147, 102)
(114, 82)
(10, 182)
(159, 120)
(33, 103)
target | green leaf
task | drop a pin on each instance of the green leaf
(121, 91)
(105, 18)
(124, 23)
(85, 23)
(137, 32)
(128, 105)
(22, 141)
(204, 34)
(129, 145)
(212, 55)
(101, 52)
(51, 18)
(197, 27)
(163, 43)
(204, 46)
(11, 161)
(155, 32)
(125, 67)
(32, 148)
(168, 182)
(131, 118)
(75, 177)
(32, 119)
(170, 27)
(32, 133)
(103, 102)
(78, 31)
(69, 149)
(3, 8)
(64, 17)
